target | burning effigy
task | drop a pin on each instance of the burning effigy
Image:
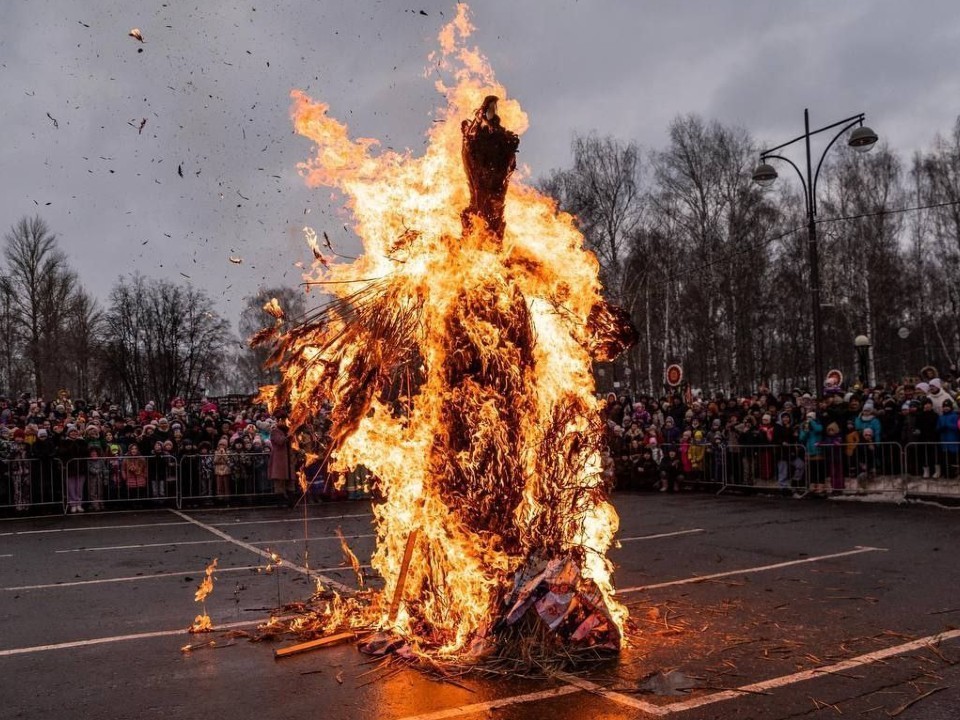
(455, 359)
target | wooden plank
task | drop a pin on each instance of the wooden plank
(312, 645)
(402, 578)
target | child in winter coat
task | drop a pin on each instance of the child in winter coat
(222, 467)
(98, 477)
(671, 471)
(833, 454)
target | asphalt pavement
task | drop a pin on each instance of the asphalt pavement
(743, 607)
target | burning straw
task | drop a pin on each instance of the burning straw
(456, 357)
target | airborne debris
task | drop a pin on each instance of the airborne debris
(143, 122)
(135, 33)
(273, 308)
(180, 169)
(236, 260)
(55, 123)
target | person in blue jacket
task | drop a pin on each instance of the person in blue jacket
(867, 419)
(948, 428)
(811, 435)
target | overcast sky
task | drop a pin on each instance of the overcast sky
(214, 76)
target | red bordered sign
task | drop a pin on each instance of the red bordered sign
(834, 378)
(674, 375)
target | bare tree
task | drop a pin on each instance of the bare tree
(603, 190)
(251, 373)
(162, 340)
(41, 286)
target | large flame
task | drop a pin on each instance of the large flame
(434, 282)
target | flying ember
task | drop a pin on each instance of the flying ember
(456, 360)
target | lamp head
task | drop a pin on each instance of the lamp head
(862, 139)
(764, 175)
(861, 341)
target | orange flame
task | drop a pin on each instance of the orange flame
(206, 585)
(407, 212)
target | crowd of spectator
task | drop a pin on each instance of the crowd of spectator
(791, 441)
(85, 455)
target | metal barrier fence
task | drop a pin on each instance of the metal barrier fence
(881, 468)
(857, 468)
(917, 470)
(211, 477)
(30, 483)
(765, 467)
(97, 483)
(931, 469)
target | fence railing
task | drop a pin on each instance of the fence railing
(913, 470)
(932, 469)
(210, 477)
(98, 483)
(30, 483)
(861, 468)
(766, 467)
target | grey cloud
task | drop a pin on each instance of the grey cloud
(621, 68)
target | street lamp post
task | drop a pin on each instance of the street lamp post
(862, 344)
(861, 139)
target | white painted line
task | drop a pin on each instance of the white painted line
(167, 524)
(137, 546)
(205, 542)
(92, 527)
(457, 712)
(745, 571)
(663, 535)
(129, 578)
(135, 636)
(7, 555)
(803, 675)
(289, 520)
(263, 553)
(620, 699)
(134, 578)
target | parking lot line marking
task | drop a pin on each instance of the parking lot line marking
(94, 527)
(289, 520)
(7, 555)
(619, 698)
(134, 578)
(746, 571)
(139, 546)
(263, 553)
(134, 636)
(663, 535)
(494, 704)
(784, 680)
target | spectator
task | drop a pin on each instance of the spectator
(949, 432)
(927, 421)
(72, 451)
(280, 462)
(133, 471)
(222, 468)
(97, 477)
(811, 435)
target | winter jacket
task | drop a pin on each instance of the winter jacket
(949, 432)
(862, 423)
(811, 434)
